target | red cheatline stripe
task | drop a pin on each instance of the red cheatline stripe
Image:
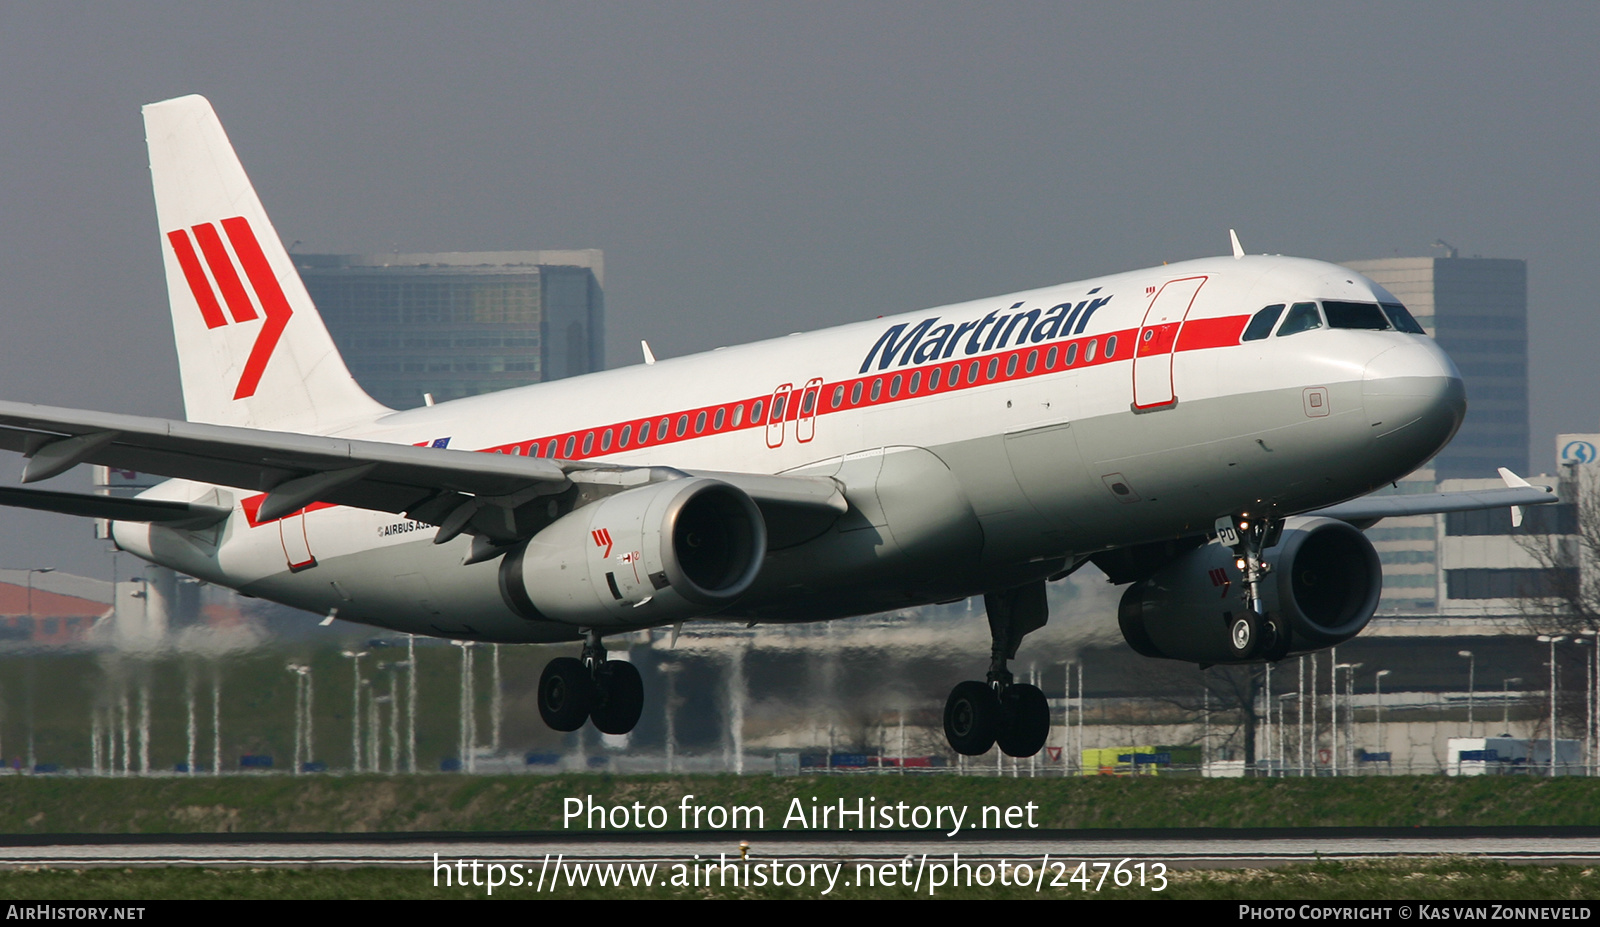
(1211, 333)
(272, 301)
(198, 284)
(222, 269)
(1195, 334)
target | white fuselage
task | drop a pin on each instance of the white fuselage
(980, 445)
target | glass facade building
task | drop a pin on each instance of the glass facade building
(460, 324)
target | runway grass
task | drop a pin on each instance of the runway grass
(359, 804)
(1397, 880)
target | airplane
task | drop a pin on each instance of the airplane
(1204, 432)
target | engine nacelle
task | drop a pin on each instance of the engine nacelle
(1322, 590)
(659, 552)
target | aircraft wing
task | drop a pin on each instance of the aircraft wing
(295, 470)
(1367, 510)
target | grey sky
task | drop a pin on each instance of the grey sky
(754, 169)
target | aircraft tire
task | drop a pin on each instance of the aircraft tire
(618, 697)
(1027, 720)
(972, 718)
(1244, 633)
(1275, 640)
(566, 693)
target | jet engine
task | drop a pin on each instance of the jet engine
(659, 552)
(1321, 590)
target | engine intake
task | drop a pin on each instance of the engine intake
(660, 552)
(1322, 591)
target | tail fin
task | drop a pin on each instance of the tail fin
(252, 349)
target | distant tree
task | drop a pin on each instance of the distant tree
(1229, 695)
(1563, 597)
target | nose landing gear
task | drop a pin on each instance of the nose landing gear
(1016, 716)
(1254, 634)
(609, 693)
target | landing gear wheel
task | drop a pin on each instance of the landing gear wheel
(1027, 720)
(1274, 640)
(1244, 631)
(972, 718)
(566, 692)
(618, 697)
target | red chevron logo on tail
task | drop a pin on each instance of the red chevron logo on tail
(224, 266)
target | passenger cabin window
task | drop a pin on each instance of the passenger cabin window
(1302, 317)
(1261, 323)
(1403, 321)
(1364, 316)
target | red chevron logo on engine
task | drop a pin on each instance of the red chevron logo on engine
(602, 538)
(224, 267)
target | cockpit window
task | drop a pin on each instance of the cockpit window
(1403, 321)
(1365, 316)
(1302, 317)
(1261, 324)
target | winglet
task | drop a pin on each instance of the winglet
(649, 356)
(1515, 482)
(1238, 249)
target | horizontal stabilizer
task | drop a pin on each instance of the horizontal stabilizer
(188, 515)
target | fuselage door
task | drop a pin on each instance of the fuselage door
(806, 422)
(1155, 345)
(777, 412)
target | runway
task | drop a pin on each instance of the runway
(1177, 848)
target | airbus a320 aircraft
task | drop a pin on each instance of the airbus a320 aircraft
(1195, 430)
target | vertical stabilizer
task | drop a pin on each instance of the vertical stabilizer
(252, 349)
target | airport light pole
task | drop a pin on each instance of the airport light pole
(1505, 702)
(1552, 640)
(1377, 688)
(669, 704)
(374, 731)
(1588, 684)
(1594, 700)
(496, 701)
(1283, 731)
(355, 707)
(1266, 709)
(411, 703)
(1305, 758)
(1472, 665)
(410, 751)
(299, 671)
(469, 719)
(1349, 710)
(394, 718)
(216, 723)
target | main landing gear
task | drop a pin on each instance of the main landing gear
(979, 715)
(591, 688)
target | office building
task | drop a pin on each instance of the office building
(450, 325)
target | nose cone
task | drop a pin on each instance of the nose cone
(1414, 400)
